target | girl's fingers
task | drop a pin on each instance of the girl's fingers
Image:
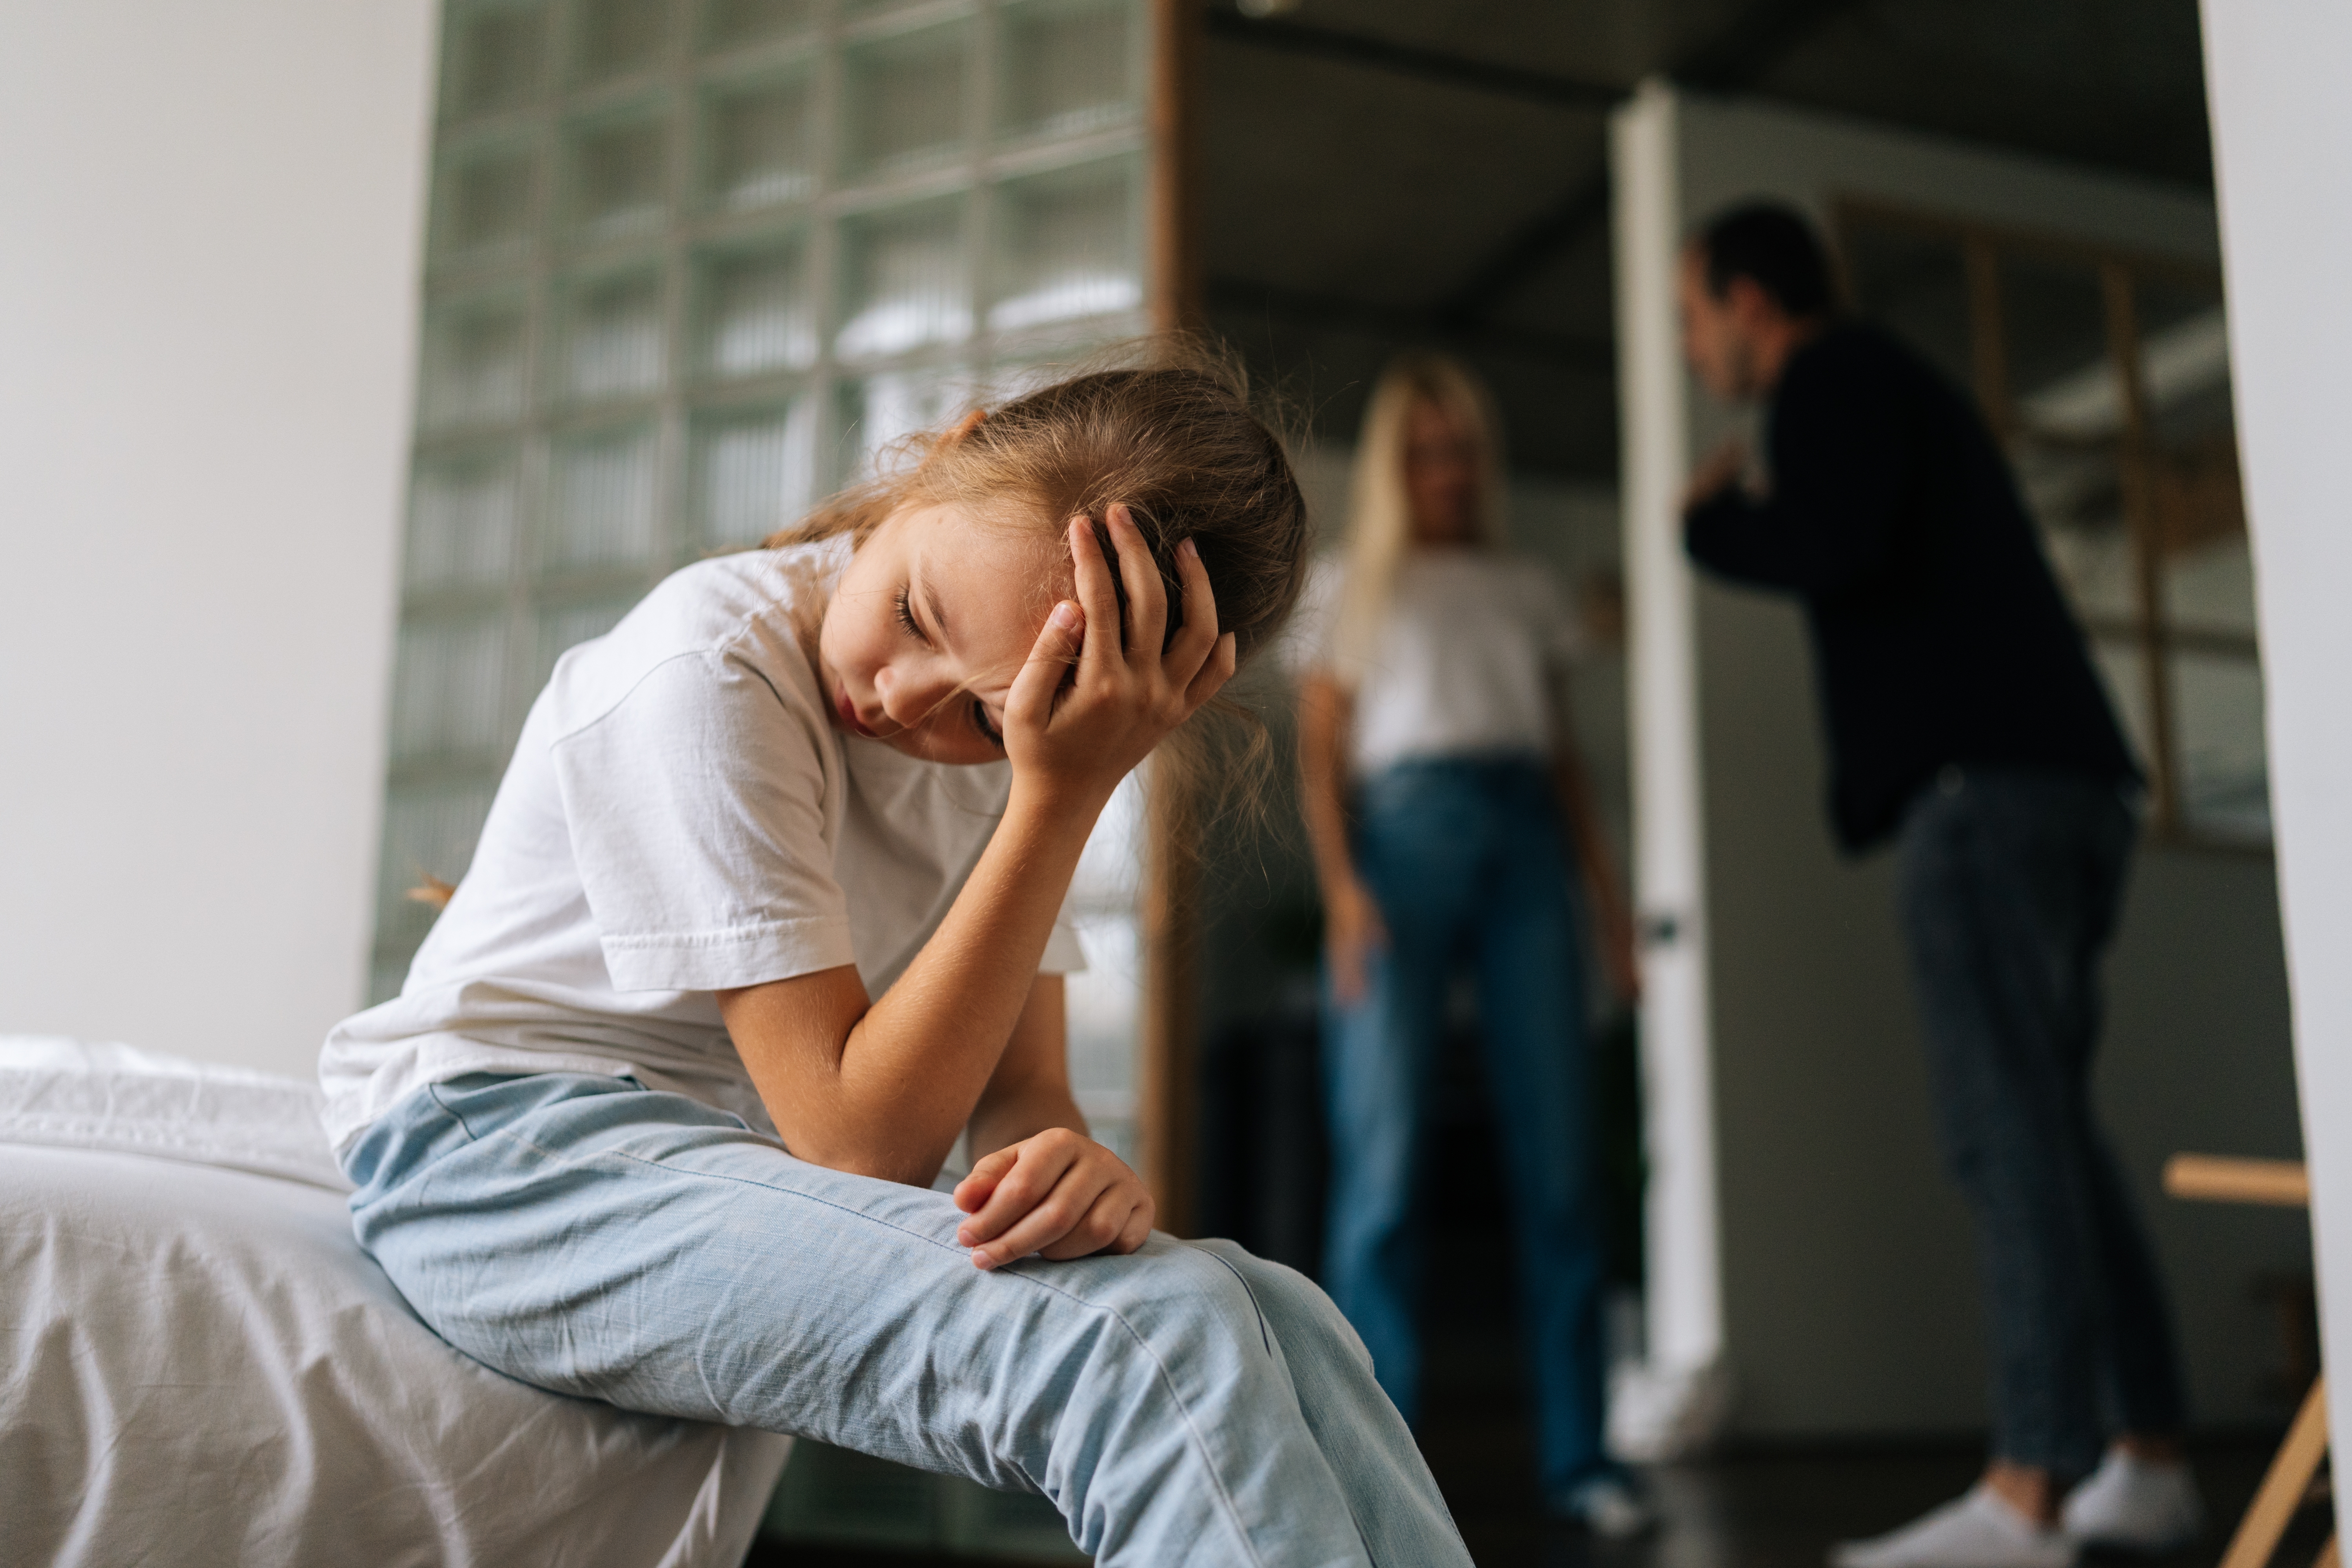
(1030, 700)
(1214, 671)
(1101, 1225)
(1053, 1216)
(980, 1181)
(1146, 600)
(1096, 595)
(1037, 1168)
(1137, 1228)
(1198, 637)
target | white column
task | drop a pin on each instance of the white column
(1673, 1403)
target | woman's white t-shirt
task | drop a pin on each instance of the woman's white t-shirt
(1462, 664)
(678, 818)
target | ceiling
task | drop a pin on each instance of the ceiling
(1378, 173)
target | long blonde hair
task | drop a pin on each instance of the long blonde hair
(1380, 512)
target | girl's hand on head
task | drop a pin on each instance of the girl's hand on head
(1060, 1193)
(1081, 730)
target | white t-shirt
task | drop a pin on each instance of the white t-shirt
(1462, 666)
(678, 818)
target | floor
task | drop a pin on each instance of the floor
(1784, 1509)
(1749, 1510)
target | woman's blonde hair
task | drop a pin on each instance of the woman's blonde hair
(1380, 510)
(1164, 425)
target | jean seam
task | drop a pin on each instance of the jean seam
(1201, 1446)
(1263, 1333)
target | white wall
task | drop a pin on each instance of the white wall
(206, 317)
(1799, 1211)
(2283, 157)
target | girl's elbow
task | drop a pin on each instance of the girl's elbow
(864, 1156)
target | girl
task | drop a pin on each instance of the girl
(764, 915)
(1431, 715)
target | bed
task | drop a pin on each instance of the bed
(202, 1366)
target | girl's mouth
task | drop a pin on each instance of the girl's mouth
(848, 712)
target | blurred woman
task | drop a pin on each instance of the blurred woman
(1448, 810)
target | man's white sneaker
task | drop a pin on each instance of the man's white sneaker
(2141, 1505)
(1978, 1530)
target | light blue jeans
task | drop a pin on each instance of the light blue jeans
(1187, 1403)
(1467, 862)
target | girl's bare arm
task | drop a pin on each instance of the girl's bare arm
(883, 1088)
(1038, 1183)
(1030, 1090)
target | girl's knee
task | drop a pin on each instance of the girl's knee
(1288, 1300)
(1261, 1274)
(1189, 1289)
(1304, 1317)
(1254, 1271)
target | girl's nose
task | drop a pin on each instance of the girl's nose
(910, 696)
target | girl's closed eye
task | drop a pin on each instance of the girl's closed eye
(906, 614)
(980, 722)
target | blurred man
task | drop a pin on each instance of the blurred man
(1966, 724)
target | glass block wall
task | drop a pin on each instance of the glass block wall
(690, 263)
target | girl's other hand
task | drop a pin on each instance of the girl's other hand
(1079, 731)
(1059, 1194)
(1352, 933)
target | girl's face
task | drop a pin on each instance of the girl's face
(931, 621)
(1442, 477)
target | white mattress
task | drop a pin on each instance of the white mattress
(201, 1367)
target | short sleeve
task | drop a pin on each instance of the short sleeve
(1310, 644)
(696, 810)
(1558, 628)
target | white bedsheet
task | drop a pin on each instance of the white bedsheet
(203, 1368)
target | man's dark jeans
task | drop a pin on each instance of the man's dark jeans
(2009, 880)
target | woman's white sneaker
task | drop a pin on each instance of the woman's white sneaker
(1978, 1530)
(1609, 1506)
(2141, 1505)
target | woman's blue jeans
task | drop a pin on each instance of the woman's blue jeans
(1187, 1403)
(1467, 862)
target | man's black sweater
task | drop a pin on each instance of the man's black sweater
(1939, 635)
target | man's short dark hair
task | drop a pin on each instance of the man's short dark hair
(1774, 248)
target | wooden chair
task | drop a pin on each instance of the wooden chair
(2285, 1183)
